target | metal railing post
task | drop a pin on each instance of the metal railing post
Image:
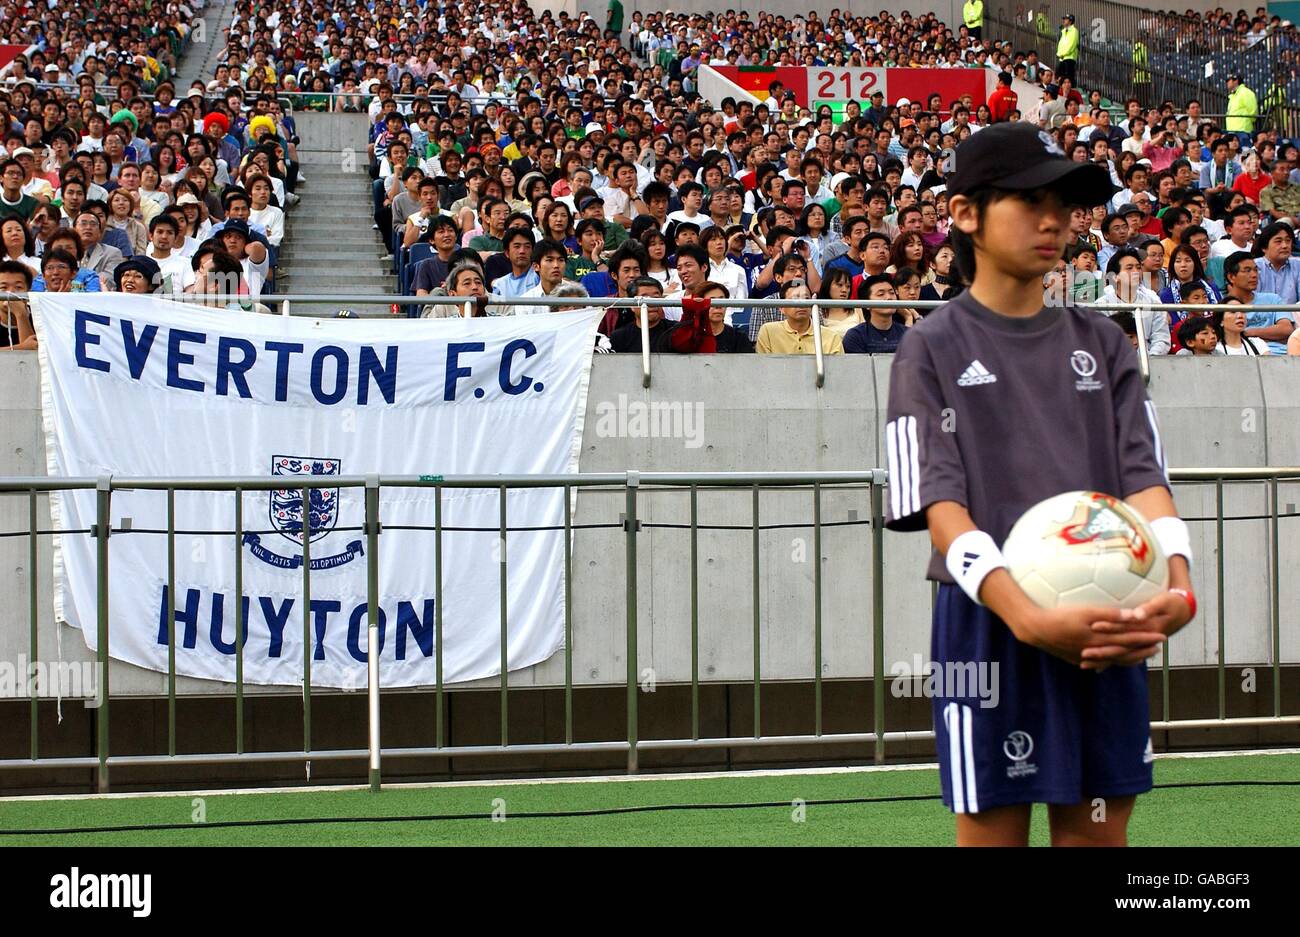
(1218, 527)
(373, 638)
(103, 495)
(630, 524)
(756, 638)
(818, 357)
(1276, 599)
(437, 612)
(568, 614)
(241, 626)
(505, 628)
(171, 621)
(695, 612)
(33, 618)
(1144, 356)
(645, 345)
(306, 619)
(878, 616)
(817, 608)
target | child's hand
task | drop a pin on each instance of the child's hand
(1166, 614)
(1071, 632)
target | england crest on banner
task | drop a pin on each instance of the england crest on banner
(292, 516)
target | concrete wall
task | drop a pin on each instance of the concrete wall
(767, 415)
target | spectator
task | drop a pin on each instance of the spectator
(138, 275)
(628, 337)
(1274, 327)
(1003, 100)
(15, 315)
(1252, 180)
(882, 331)
(1234, 338)
(1197, 336)
(548, 262)
(837, 286)
(1124, 270)
(1279, 271)
(517, 245)
(431, 273)
(123, 209)
(1115, 229)
(794, 333)
(237, 240)
(942, 286)
(720, 269)
(58, 270)
(13, 202)
(1184, 269)
(1280, 199)
(727, 338)
(18, 244)
(100, 257)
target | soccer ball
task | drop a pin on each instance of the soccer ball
(1085, 548)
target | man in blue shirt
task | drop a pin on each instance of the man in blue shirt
(881, 333)
(517, 245)
(1279, 272)
(1242, 277)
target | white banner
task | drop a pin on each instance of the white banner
(137, 386)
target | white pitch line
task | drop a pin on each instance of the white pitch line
(608, 778)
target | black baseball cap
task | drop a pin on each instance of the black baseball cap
(1018, 157)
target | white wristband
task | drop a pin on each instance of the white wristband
(1173, 536)
(971, 557)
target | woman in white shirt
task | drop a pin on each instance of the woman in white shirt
(150, 187)
(656, 248)
(18, 244)
(721, 270)
(1232, 341)
(838, 285)
(262, 211)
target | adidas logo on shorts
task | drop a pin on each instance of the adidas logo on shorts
(974, 374)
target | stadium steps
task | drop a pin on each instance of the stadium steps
(329, 247)
(200, 59)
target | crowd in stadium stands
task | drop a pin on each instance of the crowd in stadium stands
(112, 180)
(516, 155)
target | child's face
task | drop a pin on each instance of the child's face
(1022, 236)
(1205, 341)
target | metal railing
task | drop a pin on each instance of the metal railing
(635, 486)
(819, 361)
(467, 306)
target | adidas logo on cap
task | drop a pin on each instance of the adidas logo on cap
(974, 374)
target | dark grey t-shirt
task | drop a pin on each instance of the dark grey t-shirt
(997, 413)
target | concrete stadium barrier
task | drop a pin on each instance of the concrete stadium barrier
(766, 414)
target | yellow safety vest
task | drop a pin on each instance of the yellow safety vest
(1242, 110)
(1140, 73)
(1068, 47)
(973, 14)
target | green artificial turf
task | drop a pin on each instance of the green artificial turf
(1242, 814)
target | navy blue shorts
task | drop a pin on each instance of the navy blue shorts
(1033, 729)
